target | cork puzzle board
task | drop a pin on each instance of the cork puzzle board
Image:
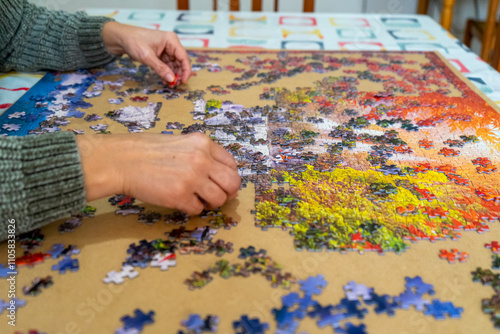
(357, 166)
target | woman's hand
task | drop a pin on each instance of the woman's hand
(188, 172)
(161, 50)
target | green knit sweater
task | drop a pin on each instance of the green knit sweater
(41, 177)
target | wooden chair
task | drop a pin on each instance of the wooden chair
(484, 31)
(234, 5)
(446, 14)
(495, 58)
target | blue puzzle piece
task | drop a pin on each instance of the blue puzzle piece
(351, 308)
(313, 285)
(138, 321)
(285, 318)
(320, 311)
(354, 290)
(59, 249)
(351, 329)
(439, 309)
(383, 304)
(66, 263)
(250, 326)
(420, 286)
(332, 320)
(16, 302)
(127, 331)
(56, 250)
(294, 298)
(76, 114)
(410, 298)
(326, 317)
(4, 271)
(194, 323)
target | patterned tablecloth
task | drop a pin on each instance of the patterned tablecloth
(294, 31)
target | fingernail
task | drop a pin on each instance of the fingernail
(170, 77)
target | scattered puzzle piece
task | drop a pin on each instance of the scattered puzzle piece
(66, 264)
(138, 321)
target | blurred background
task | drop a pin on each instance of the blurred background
(462, 9)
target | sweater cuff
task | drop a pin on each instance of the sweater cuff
(90, 40)
(41, 179)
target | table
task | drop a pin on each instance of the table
(86, 304)
(300, 31)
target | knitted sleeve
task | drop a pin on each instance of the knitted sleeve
(41, 180)
(34, 38)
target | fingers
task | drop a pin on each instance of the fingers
(162, 69)
(193, 206)
(212, 194)
(223, 156)
(180, 55)
(226, 178)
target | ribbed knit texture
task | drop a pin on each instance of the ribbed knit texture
(41, 180)
(34, 38)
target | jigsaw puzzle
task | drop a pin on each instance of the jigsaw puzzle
(347, 151)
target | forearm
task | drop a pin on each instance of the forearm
(41, 180)
(34, 38)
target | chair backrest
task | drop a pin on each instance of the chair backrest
(495, 58)
(234, 5)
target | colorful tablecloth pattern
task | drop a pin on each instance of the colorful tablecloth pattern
(294, 31)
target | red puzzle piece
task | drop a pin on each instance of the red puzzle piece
(494, 246)
(29, 259)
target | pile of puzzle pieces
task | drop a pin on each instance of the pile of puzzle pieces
(161, 252)
(255, 263)
(296, 306)
(487, 277)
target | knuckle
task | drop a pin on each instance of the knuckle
(199, 160)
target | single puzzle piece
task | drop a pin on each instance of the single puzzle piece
(127, 331)
(250, 326)
(99, 127)
(194, 323)
(138, 321)
(203, 233)
(11, 304)
(58, 250)
(410, 298)
(37, 284)
(439, 309)
(326, 316)
(383, 304)
(164, 261)
(67, 263)
(313, 285)
(30, 260)
(294, 298)
(352, 329)
(351, 308)
(285, 318)
(5, 271)
(496, 262)
(354, 290)
(11, 127)
(494, 246)
(419, 285)
(117, 277)
(149, 218)
(249, 252)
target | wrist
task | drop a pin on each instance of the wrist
(97, 155)
(111, 37)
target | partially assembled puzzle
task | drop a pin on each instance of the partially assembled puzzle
(346, 151)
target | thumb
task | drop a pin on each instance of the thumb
(162, 69)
